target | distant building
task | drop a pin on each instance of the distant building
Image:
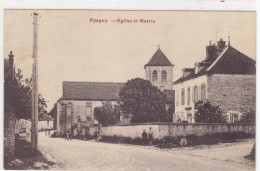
(75, 110)
(226, 77)
(53, 114)
(45, 122)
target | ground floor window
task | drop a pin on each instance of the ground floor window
(233, 116)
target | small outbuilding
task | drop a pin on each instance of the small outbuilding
(45, 122)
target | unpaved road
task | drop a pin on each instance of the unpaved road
(89, 155)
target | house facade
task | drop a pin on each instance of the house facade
(226, 77)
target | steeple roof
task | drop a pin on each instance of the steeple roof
(159, 59)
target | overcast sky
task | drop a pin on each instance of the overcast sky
(71, 48)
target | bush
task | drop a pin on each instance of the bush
(193, 140)
(189, 140)
(208, 113)
(166, 142)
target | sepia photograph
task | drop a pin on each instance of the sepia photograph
(129, 90)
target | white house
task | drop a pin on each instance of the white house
(226, 77)
(45, 122)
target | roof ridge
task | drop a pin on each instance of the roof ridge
(218, 58)
(159, 59)
(92, 82)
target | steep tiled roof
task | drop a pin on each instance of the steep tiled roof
(91, 90)
(229, 61)
(159, 59)
(44, 117)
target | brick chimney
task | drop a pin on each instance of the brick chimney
(221, 45)
(11, 59)
(211, 52)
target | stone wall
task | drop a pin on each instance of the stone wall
(174, 130)
(22, 123)
(9, 134)
(132, 131)
(232, 92)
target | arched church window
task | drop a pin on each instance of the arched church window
(164, 75)
(154, 78)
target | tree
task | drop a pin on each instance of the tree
(142, 102)
(248, 117)
(170, 110)
(18, 95)
(208, 113)
(107, 114)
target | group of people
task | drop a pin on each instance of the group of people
(147, 138)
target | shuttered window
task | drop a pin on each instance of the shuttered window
(188, 95)
(203, 91)
(183, 96)
(164, 75)
(193, 99)
(195, 94)
(154, 76)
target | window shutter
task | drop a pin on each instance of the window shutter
(193, 94)
(188, 95)
(203, 91)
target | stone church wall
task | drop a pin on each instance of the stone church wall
(166, 84)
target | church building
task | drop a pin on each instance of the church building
(75, 109)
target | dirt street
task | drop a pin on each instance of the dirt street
(89, 155)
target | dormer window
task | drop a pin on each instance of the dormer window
(196, 69)
(164, 75)
(200, 66)
(154, 76)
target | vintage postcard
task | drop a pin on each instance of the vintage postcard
(129, 90)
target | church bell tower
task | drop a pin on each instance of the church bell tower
(159, 71)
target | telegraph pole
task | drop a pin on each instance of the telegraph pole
(34, 117)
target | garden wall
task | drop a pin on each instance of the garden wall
(170, 129)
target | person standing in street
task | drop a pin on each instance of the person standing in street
(67, 136)
(144, 136)
(96, 134)
(150, 136)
